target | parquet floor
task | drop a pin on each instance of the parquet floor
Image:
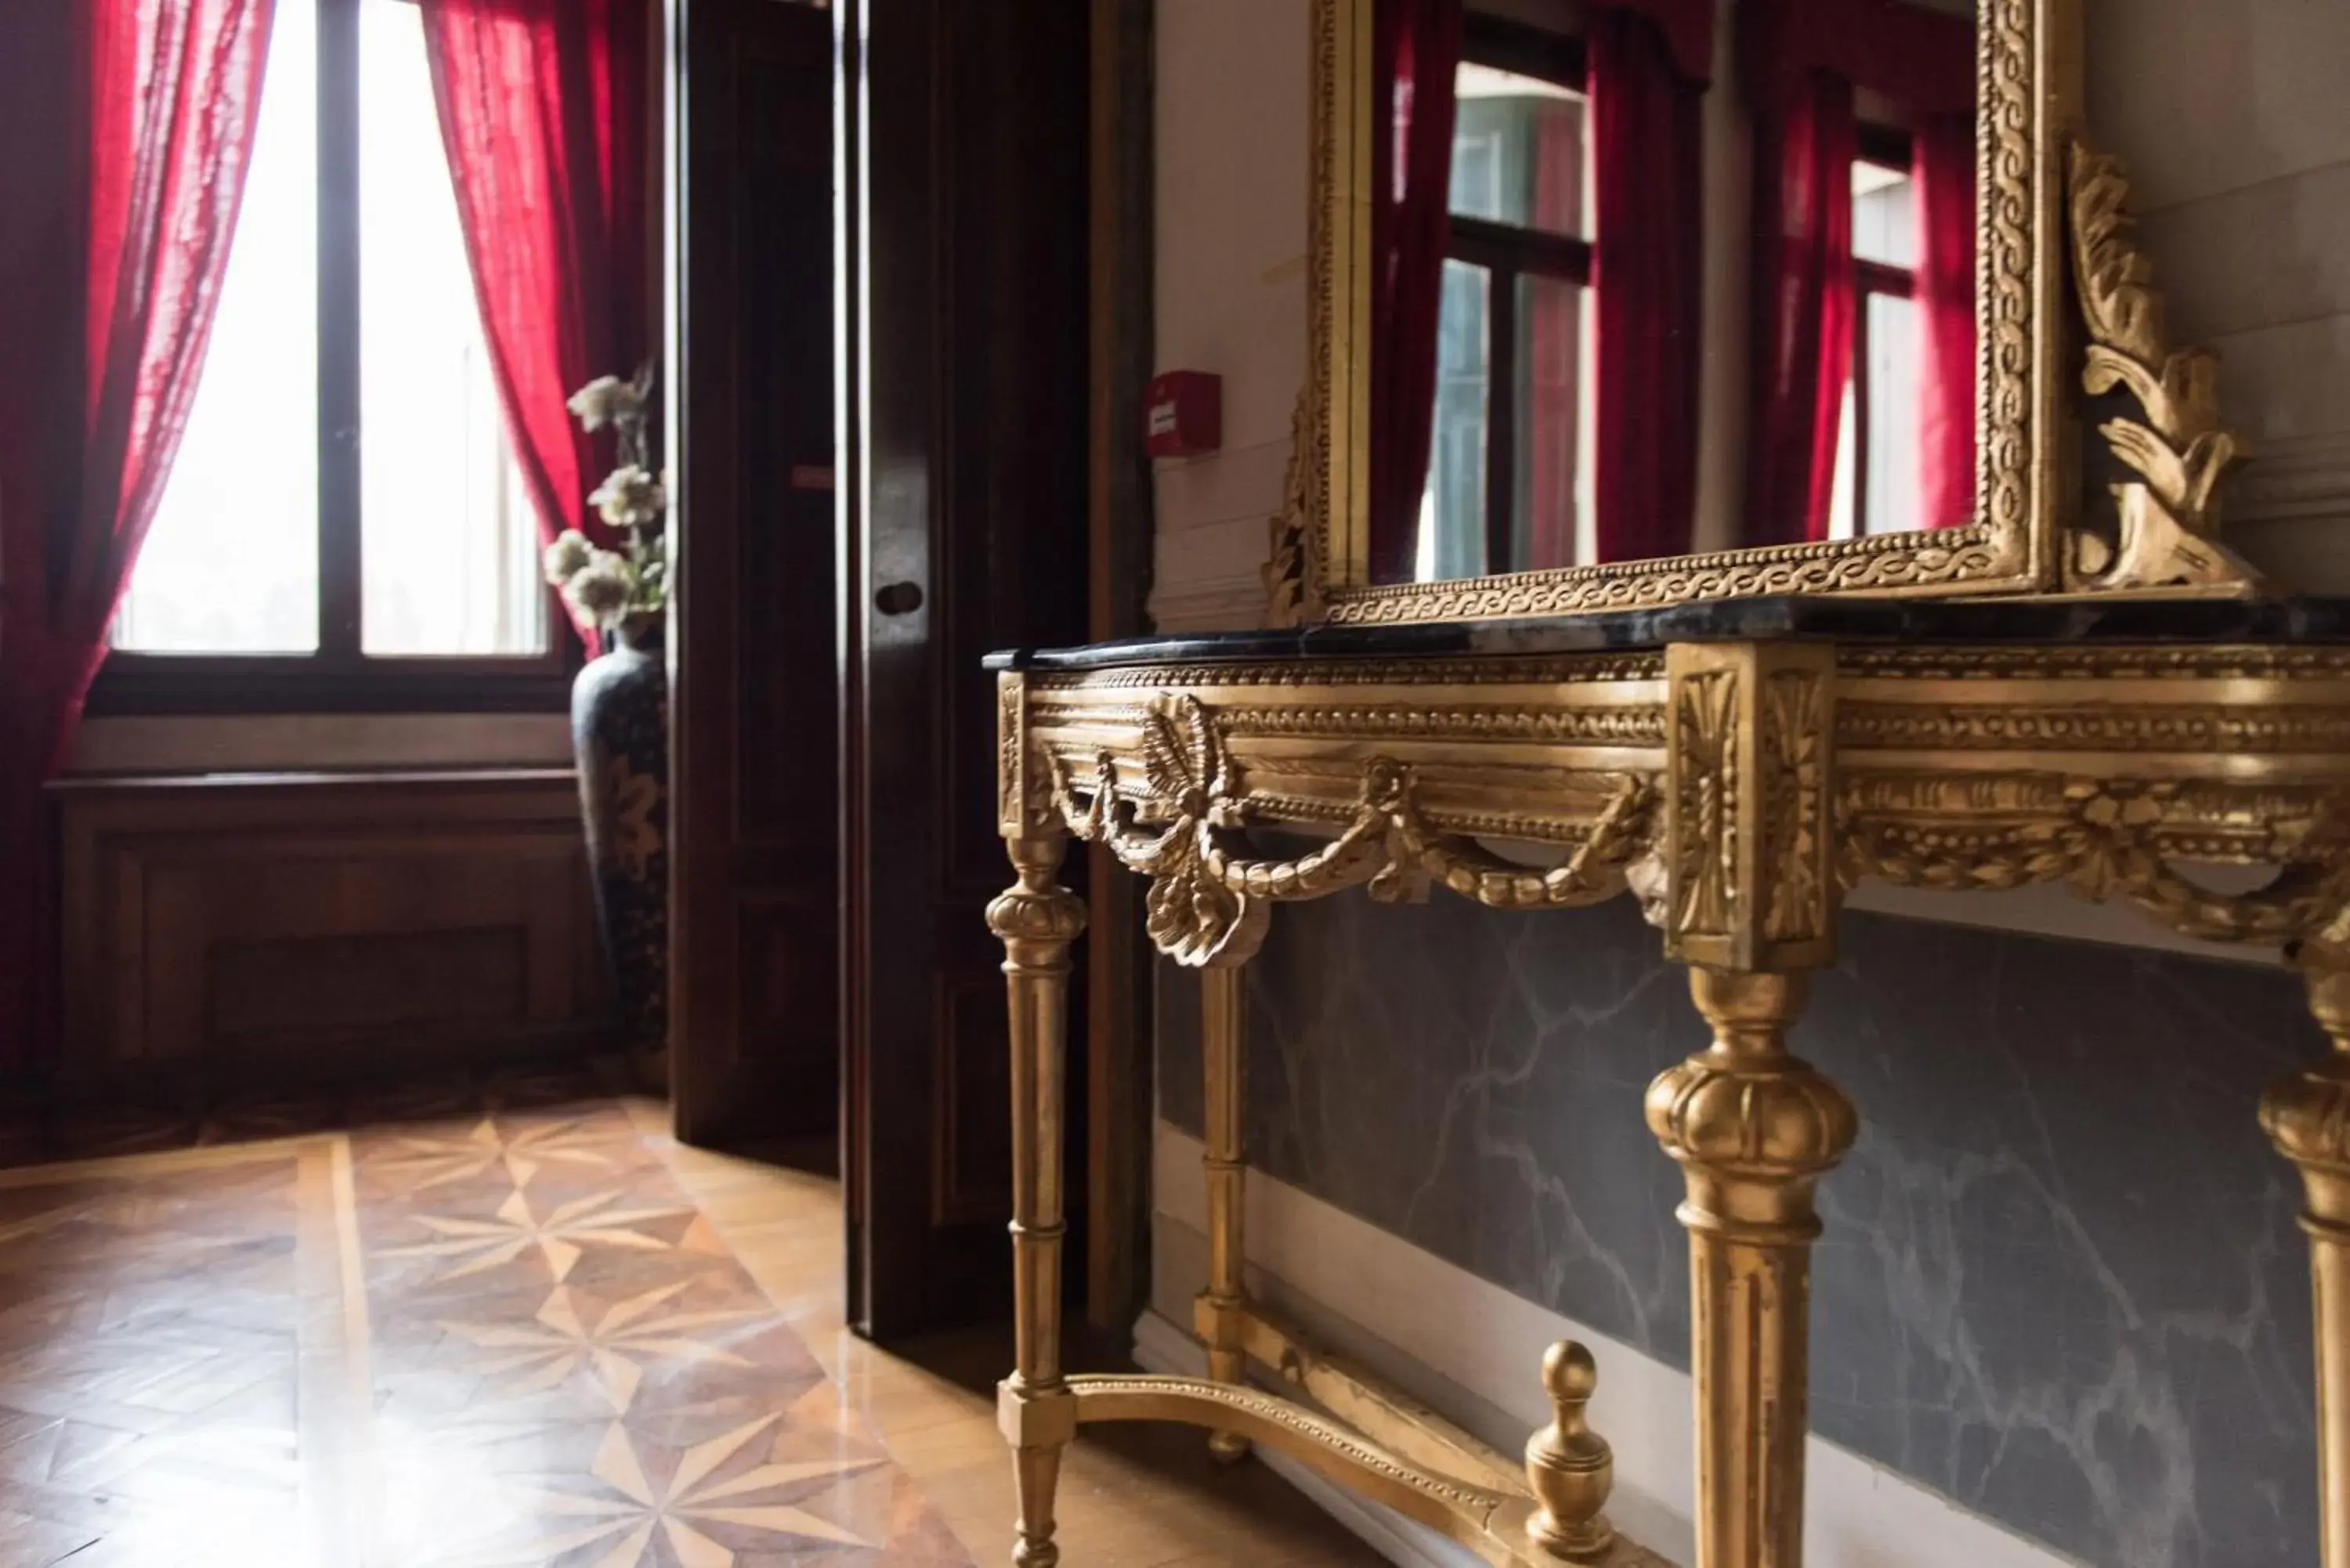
(512, 1326)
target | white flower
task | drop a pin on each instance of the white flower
(605, 400)
(629, 498)
(603, 588)
(567, 556)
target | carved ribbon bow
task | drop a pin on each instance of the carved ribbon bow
(1209, 907)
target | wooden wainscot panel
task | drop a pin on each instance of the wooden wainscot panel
(319, 926)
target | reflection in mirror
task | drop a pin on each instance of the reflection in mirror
(1511, 340)
(1540, 317)
(1862, 413)
(1873, 442)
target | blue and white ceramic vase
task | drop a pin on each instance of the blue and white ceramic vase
(620, 733)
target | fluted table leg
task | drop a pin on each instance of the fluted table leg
(1037, 920)
(1754, 1129)
(2307, 1115)
(1221, 1016)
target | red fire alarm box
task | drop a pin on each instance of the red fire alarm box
(1184, 414)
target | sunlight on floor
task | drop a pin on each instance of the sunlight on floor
(509, 1325)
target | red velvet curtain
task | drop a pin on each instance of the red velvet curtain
(1416, 52)
(1804, 59)
(543, 107)
(1945, 300)
(1685, 28)
(1804, 298)
(1554, 328)
(1648, 149)
(1921, 59)
(146, 112)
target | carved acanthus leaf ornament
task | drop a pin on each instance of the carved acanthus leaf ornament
(2180, 451)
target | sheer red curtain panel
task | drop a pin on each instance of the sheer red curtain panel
(1416, 54)
(131, 130)
(542, 108)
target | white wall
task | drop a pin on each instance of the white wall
(2236, 128)
(1233, 168)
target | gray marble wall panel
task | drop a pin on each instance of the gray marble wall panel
(2061, 1281)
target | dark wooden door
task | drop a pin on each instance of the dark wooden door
(964, 515)
(755, 933)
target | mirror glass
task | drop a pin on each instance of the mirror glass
(1594, 340)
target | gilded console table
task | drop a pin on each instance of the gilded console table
(1736, 767)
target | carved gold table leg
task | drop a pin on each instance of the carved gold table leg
(1037, 919)
(1754, 1129)
(1219, 1314)
(2308, 1117)
(1750, 904)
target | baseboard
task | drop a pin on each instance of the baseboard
(323, 1063)
(1162, 1346)
(1471, 1350)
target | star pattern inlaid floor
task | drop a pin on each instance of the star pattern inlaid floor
(613, 1345)
(508, 1323)
(499, 1338)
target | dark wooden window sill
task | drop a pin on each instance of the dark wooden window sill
(145, 684)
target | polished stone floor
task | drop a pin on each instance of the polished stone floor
(482, 1325)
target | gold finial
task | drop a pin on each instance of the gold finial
(1569, 1466)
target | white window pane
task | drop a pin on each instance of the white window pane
(1451, 542)
(1519, 152)
(231, 563)
(1896, 458)
(1842, 525)
(448, 544)
(1883, 215)
(1547, 527)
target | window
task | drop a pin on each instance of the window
(1879, 457)
(1508, 471)
(344, 513)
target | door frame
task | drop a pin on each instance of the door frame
(1120, 965)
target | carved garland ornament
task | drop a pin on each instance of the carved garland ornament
(2105, 841)
(1209, 903)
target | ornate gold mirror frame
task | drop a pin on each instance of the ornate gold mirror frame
(2053, 226)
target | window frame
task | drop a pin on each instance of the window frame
(1884, 147)
(338, 675)
(1507, 253)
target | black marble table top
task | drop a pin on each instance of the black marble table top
(2278, 621)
